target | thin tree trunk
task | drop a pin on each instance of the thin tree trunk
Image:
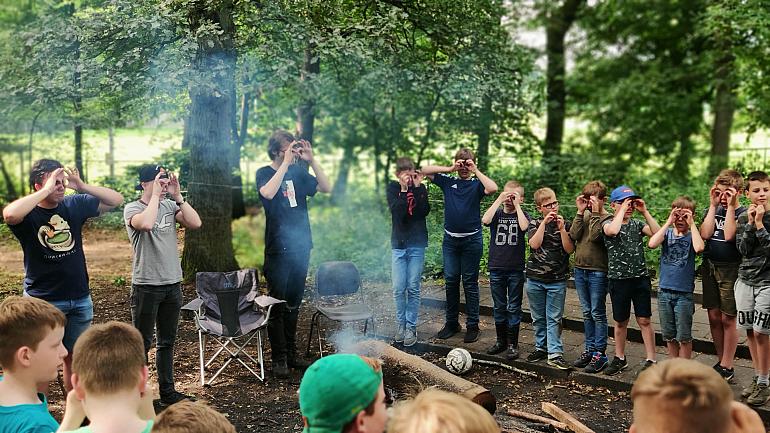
(29, 148)
(239, 207)
(483, 133)
(426, 139)
(10, 189)
(349, 158)
(111, 136)
(306, 110)
(724, 111)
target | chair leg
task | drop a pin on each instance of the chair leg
(320, 344)
(310, 335)
(202, 347)
(260, 356)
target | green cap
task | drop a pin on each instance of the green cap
(334, 390)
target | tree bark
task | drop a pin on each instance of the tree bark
(239, 207)
(724, 111)
(306, 108)
(558, 23)
(10, 189)
(483, 133)
(349, 158)
(210, 248)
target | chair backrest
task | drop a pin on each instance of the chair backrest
(227, 295)
(337, 279)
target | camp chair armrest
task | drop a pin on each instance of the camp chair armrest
(265, 301)
(191, 308)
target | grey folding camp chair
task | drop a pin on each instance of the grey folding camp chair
(230, 312)
(337, 296)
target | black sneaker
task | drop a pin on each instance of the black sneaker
(559, 363)
(447, 331)
(727, 373)
(584, 359)
(616, 366)
(647, 364)
(471, 334)
(280, 369)
(537, 355)
(598, 363)
(175, 397)
(512, 353)
(297, 362)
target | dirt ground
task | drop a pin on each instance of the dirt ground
(273, 406)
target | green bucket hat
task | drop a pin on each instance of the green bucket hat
(334, 390)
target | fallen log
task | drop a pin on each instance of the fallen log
(573, 423)
(438, 376)
(537, 418)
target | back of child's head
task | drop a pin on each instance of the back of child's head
(681, 396)
(109, 358)
(683, 202)
(404, 163)
(511, 185)
(25, 321)
(191, 417)
(596, 188)
(542, 194)
(756, 176)
(436, 411)
(464, 153)
(730, 178)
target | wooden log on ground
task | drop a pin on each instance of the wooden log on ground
(440, 377)
(537, 418)
(573, 423)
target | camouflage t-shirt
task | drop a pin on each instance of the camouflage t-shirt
(549, 263)
(626, 251)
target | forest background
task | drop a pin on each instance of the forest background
(656, 94)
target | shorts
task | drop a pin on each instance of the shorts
(676, 310)
(719, 286)
(80, 314)
(629, 291)
(753, 304)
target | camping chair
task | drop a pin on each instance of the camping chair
(337, 296)
(228, 310)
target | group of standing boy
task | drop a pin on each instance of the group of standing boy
(609, 259)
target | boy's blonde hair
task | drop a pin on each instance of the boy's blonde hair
(404, 164)
(191, 417)
(730, 178)
(595, 187)
(436, 411)
(684, 202)
(464, 153)
(683, 396)
(25, 321)
(512, 184)
(542, 194)
(109, 358)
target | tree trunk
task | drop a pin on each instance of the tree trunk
(426, 139)
(724, 110)
(485, 123)
(349, 158)
(77, 103)
(239, 207)
(306, 109)
(210, 248)
(11, 194)
(111, 136)
(558, 23)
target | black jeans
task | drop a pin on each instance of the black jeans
(157, 307)
(285, 274)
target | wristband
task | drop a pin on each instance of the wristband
(180, 203)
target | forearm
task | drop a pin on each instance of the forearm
(108, 197)
(654, 227)
(595, 227)
(522, 218)
(576, 231)
(487, 217)
(536, 240)
(657, 238)
(730, 227)
(490, 187)
(708, 225)
(270, 189)
(697, 242)
(435, 169)
(566, 241)
(190, 217)
(323, 181)
(15, 212)
(612, 229)
(145, 220)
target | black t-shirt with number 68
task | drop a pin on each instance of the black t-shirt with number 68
(506, 242)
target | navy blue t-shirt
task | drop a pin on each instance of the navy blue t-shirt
(54, 263)
(462, 203)
(717, 248)
(287, 226)
(507, 246)
(677, 263)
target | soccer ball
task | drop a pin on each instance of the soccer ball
(458, 361)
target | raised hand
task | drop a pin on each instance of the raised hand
(289, 154)
(752, 213)
(306, 151)
(688, 217)
(404, 179)
(173, 187)
(760, 213)
(715, 195)
(417, 177)
(458, 164)
(55, 176)
(158, 185)
(596, 205)
(641, 206)
(560, 222)
(731, 195)
(673, 215)
(550, 216)
(581, 203)
(471, 165)
(73, 178)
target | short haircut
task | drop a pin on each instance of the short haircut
(277, 140)
(511, 184)
(191, 417)
(595, 187)
(464, 153)
(684, 202)
(756, 176)
(25, 321)
(729, 177)
(542, 194)
(39, 169)
(683, 396)
(436, 411)
(404, 164)
(376, 365)
(108, 358)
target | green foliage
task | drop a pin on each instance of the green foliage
(249, 241)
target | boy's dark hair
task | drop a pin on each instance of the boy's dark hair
(595, 187)
(276, 141)
(404, 164)
(730, 178)
(684, 202)
(464, 153)
(25, 321)
(756, 176)
(39, 169)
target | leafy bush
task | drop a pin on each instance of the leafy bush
(249, 240)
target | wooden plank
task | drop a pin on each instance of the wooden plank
(537, 418)
(565, 417)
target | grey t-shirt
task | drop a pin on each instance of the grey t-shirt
(156, 260)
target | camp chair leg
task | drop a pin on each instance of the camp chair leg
(320, 344)
(202, 347)
(310, 336)
(260, 356)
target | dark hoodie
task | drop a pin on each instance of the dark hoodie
(754, 246)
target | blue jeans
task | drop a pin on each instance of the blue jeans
(155, 310)
(79, 313)
(546, 305)
(591, 287)
(507, 288)
(406, 274)
(461, 260)
(676, 310)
